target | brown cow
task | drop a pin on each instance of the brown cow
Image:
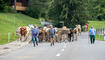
(23, 32)
(46, 30)
(75, 31)
(41, 35)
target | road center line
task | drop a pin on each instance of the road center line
(58, 54)
(62, 49)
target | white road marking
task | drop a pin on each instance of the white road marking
(62, 49)
(58, 54)
(64, 46)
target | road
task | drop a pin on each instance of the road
(77, 50)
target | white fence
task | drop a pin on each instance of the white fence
(100, 31)
(7, 37)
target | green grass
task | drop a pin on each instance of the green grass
(96, 25)
(9, 22)
(100, 37)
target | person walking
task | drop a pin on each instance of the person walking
(35, 33)
(92, 33)
(52, 34)
(70, 35)
(87, 27)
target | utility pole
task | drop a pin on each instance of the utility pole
(15, 5)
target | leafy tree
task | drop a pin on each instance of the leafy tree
(72, 12)
(4, 5)
(37, 8)
(97, 9)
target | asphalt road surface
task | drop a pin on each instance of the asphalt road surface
(77, 50)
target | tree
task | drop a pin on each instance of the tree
(4, 5)
(37, 8)
(72, 12)
(97, 9)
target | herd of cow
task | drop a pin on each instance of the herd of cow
(63, 34)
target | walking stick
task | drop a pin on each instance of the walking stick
(88, 39)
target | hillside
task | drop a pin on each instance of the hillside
(10, 21)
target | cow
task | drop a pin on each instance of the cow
(58, 35)
(23, 32)
(75, 31)
(70, 35)
(18, 32)
(79, 29)
(62, 34)
(46, 30)
(84, 28)
(41, 35)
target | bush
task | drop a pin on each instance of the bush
(9, 9)
(6, 9)
(12, 10)
(4, 5)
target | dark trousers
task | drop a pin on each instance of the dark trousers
(34, 40)
(92, 39)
